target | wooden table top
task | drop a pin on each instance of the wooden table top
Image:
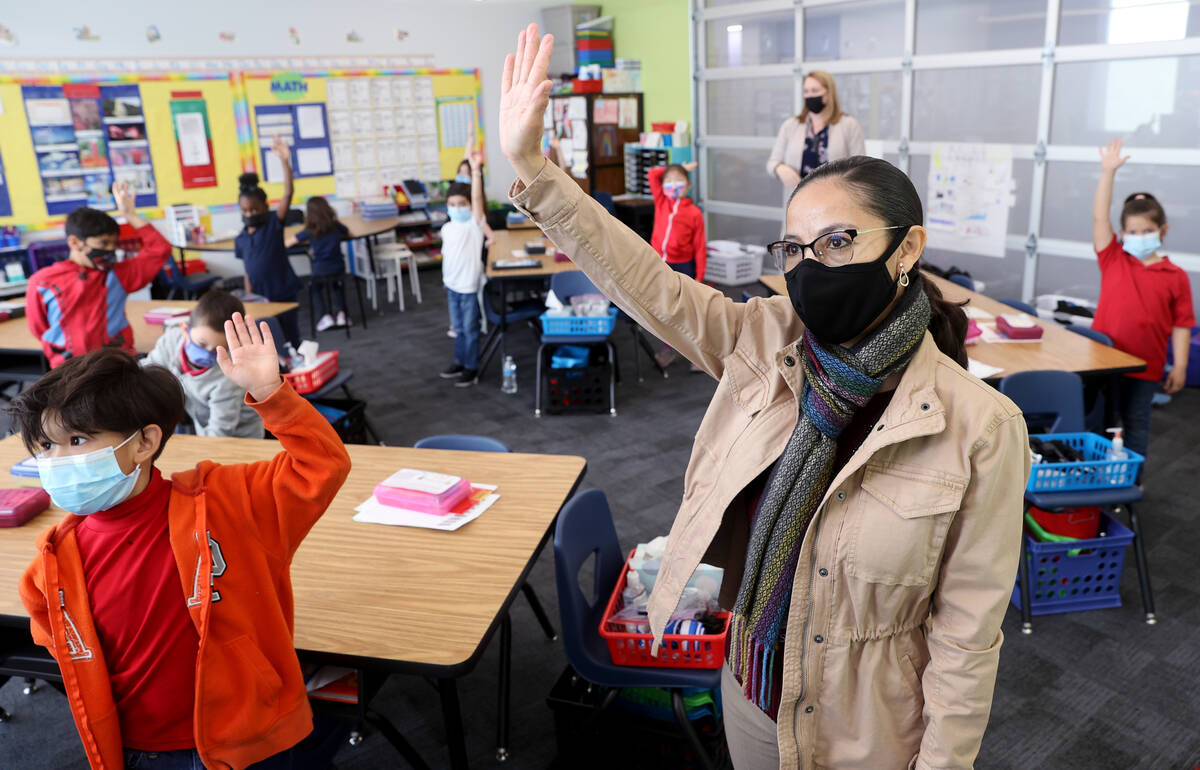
(1058, 349)
(15, 334)
(358, 227)
(507, 241)
(399, 594)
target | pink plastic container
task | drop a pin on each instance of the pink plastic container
(1018, 332)
(423, 491)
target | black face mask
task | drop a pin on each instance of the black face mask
(254, 220)
(814, 104)
(102, 258)
(839, 303)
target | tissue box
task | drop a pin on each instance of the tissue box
(424, 491)
(1018, 327)
(313, 378)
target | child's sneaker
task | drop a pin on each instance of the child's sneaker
(451, 333)
(451, 373)
(342, 320)
(467, 378)
(325, 322)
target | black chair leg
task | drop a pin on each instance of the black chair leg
(537, 384)
(637, 360)
(31, 686)
(362, 305)
(4, 715)
(504, 685)
(1139, 553)
(645, 345)
(312, 306)
(538, 612)
(689, 732)
(1026, 605)
(612, 381)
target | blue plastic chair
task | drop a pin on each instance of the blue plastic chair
(585, 527)
(468, 443)
(176, 281)
(606, 200)
(500, 313)
(567, 285)
(962, 281)
(1096, 394)
(1061, 394)
(1092, 334)
(1017, 304)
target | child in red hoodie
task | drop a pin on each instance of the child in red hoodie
(678, 229)
(167, 603)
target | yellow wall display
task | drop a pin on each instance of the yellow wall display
(258, 93)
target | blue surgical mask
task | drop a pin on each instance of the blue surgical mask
(199, 356)
(1142, 246)
(673, 190)
(87, 483)
(459, 213)
(464, 178)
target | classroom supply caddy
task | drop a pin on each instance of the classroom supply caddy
(578, 325)
(313, 378)
(677, 650)
(733, 264)
(1095, 471)
(1076, 575)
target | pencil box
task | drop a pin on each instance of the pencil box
(1018, 327)
(973, 331)
(535, 247)
(18, 506)
(424, 491)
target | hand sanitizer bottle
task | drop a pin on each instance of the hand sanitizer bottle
(1118, 445)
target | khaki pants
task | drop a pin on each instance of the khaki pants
(751, 735)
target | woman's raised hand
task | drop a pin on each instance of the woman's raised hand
(524, 95)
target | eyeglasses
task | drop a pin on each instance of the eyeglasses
(833, 249)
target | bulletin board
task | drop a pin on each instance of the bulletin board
(428, 110)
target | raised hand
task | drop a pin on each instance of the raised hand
(281, 150)
(251, 362)
(125, 198)
(475, 158)
(1110, 156)
(524, 95)
(690, 166)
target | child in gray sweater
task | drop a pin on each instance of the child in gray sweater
(216, 405)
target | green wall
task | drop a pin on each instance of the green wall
(655, 31)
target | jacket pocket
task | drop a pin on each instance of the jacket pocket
(900, 524)
(240, 694)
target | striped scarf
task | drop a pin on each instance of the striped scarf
(837, 382)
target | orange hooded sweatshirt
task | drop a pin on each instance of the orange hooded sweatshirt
(234, 529)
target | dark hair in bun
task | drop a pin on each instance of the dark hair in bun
(1146, 205)
(248, 184)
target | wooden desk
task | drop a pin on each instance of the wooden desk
(396, 599)
(1058, 349)
(506, 241)
(358, 227)
(15, 336)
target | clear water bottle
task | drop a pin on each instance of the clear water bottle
(509, 384)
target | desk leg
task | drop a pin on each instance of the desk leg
(370, 239)
(504, 685)
(456, 740)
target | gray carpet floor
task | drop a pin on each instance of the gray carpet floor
(1091, 690)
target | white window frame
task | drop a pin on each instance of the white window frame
(1040, 152)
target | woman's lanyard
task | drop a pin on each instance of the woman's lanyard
(670, 221)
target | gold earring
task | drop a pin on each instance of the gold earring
(903, 276)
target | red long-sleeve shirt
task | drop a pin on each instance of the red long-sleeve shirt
(679, 224)
(74, 310)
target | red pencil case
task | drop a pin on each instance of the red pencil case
(18, 506)
(1033, 332)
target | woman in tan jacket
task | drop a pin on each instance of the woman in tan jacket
(862, 491)
(819, 134)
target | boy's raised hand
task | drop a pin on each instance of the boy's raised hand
(251, 362)
(524, 94)
(124, 197)
(1110, 156)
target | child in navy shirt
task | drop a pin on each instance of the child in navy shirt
(260, 244)
(323, 230)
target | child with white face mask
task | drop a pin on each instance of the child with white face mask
(1145, 299)
(462, 271)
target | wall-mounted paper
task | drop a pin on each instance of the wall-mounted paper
(426, 121)
(577, 108)
(381, 92)
(627, 110)
(193, 140)
(970, 192)
(343, 154)
(364, 153)
(339, 123)
(406, 151)
(402, 92)
(274, 168)
(361, 122)
(427, 147)
(385, 122)
(310, 121)
(344, 184)
(385, 151)
(431, 171)
(337, 95)
(406, 122)
(312, 161)
(423, 90)
(368, 182)
(360, 92)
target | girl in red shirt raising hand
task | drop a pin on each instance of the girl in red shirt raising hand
(1145, 299)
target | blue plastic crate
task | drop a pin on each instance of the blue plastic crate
(579, 325)
(1078, 575)
(1095, 472)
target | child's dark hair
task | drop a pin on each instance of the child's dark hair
(458, 188)
(86, 223)
(678, 169)
(214, 309)
(1146, 205)
(319, 216)
(105, 390)
(248, 187)
(888, 193)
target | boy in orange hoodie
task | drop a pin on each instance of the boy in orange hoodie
(167, 602)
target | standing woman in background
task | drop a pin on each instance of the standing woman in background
(819, 134)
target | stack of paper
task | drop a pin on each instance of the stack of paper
(378, 208)
(481, 498)
(161, 315)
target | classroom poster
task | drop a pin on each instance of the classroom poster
(128, 148)
(189, 114)
(971, 189)
(456, 118)
(52, 127)
(5, 202)
(304, 128)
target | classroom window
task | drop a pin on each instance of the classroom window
(740, 175)
(1083, 22)
(952, 26)
(743, 41)
(1002, 275)
(1070, 186)
(873, 98)
(1149, 102)
(857, 30)
(1018, 213)
(983, 104)
(752, 230)
(749, 106)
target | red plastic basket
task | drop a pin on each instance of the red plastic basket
(1080, 523)
(311, 380)
(677, 650)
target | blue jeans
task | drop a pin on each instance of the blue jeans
(687, 268)
(1134, 399)
(464, 319)
(333, 284)
(315, 752)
